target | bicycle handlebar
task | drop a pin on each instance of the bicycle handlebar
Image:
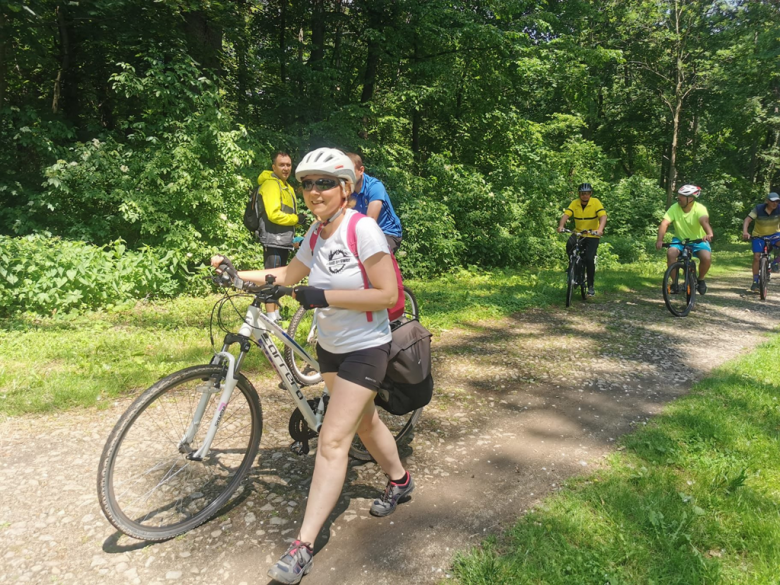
(684, 243)
(269, 290)
(582, 233)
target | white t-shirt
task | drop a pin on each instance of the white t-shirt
(334, 267)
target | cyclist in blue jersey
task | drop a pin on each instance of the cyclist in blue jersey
(371, 199)
(767, 227)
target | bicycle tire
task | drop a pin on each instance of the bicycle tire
(411, 307)
(299, 329)
(400, 427)
(147, 488)
(763, 277)
(571, 277)
(691, 283)
(673, 301)
(582, 280)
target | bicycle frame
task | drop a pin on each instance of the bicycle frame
(259, 327)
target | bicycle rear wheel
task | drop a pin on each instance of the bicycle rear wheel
(400, 426)
(147, 487)
(675, 290)
(763, 276)
(304, 331)
(411, 308)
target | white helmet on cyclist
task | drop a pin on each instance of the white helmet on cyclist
(327, 161)
(689, 191)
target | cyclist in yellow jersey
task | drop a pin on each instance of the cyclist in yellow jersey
(766, 228)
(588, 214)
(691, 222)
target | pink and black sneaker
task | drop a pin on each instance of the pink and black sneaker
(395, 493)
(294, 564)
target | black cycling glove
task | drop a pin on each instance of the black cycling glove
(228, 273)
(310, 297)
(301, 218)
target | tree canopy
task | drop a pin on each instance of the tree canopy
(147, 121)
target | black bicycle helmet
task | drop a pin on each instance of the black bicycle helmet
(585, 187)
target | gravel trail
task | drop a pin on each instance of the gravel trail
(521, 404)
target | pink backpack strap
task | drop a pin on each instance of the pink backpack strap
(352, 245)
(315, 236)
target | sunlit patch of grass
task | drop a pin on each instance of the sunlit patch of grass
(692, 499)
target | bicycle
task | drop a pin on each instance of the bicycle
(764, 267)
(303, 329)
(184, 446)
(576, 272)
(680, 300)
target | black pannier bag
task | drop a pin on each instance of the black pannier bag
(408, 384)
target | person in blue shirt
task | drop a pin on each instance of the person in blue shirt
(371, 199)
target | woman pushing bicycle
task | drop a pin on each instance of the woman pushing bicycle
(691, 222)
(353, 344)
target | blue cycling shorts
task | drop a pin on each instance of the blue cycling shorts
(758, 242)
(702, 246)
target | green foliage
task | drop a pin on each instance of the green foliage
(635, 206)
(174, 178)
(43, 275)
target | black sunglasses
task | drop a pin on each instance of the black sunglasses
(320, 184)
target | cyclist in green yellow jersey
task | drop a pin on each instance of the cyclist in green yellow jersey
(691, 222)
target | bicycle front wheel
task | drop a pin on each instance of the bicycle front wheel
(147, 486)
(690, 285)
(582, 280)
(303, 330)
(571, 277)
(675, 289)
(400, 426)
(763, 276)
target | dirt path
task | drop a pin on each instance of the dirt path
(521, 404)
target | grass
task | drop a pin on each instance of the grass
(63, 362)
(692, 498)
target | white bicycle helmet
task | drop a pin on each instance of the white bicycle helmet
(326, 161)
(689, 191)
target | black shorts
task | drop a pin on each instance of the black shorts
(393, 242)
(274, 257)
(364, 367)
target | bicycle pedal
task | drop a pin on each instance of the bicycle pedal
(300, 447)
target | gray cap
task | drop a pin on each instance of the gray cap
(773, 196)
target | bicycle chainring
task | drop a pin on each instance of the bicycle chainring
(298, 427)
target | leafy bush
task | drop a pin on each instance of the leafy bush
(42, 275)
(172, 176)
(635, 207)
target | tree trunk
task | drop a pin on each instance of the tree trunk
(241, 74)
(204, 39)
(672, 172)
(317, 53)
(64, 58)
(3, 66)
(283, 40)
(372, 58)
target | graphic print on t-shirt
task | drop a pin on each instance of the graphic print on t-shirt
(337, 259)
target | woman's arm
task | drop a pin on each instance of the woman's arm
(288, 275)
(383, 295)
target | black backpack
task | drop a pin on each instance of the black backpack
(408, 383)
(252, 211)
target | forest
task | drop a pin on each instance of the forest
(131, 131)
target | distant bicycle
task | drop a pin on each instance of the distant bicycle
(764, 266)
(576, 273)
(680, 292)
(303, 329)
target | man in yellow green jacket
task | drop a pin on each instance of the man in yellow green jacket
(278, 216)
